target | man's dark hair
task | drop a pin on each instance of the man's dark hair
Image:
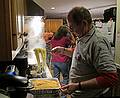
(80, 13)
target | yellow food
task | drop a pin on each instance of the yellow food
(40, 52)
(45, 84)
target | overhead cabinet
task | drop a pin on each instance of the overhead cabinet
(11, 28)
(51, 25)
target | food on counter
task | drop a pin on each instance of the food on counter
(40, 54)
(45, 84)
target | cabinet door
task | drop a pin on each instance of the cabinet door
(17, 22)
(5, 30)
(11, 27)
(14, 17)
(18, 11)
(51, 25)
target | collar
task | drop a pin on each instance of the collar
(86, 38)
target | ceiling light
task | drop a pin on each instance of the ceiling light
(52, 8)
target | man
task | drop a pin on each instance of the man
(93, 69)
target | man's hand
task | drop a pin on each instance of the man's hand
(70, 88)
(58, 49)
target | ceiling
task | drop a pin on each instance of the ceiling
(62, 7)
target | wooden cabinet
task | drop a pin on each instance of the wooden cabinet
(11, 28)
(51, 25)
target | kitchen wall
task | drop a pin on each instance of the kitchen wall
(117, 44)
(116, 90)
